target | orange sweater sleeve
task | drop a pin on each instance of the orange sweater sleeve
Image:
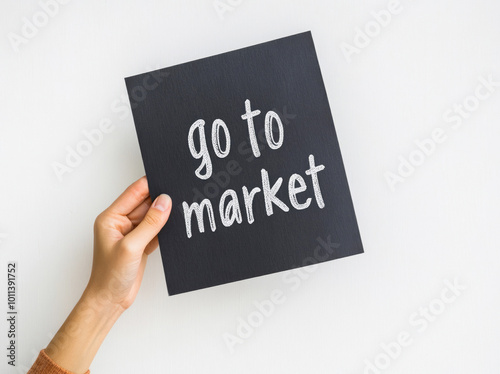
(45, 365)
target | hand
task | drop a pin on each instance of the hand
(124, 235)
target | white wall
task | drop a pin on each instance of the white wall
(441, 223)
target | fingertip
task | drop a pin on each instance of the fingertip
(163, 202)
(151, 224)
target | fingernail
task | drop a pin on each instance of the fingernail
(162, 202)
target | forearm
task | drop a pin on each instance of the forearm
(77, 341)
(124, 235)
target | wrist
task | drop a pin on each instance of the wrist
(100, 303)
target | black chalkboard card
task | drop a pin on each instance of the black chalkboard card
(245, 145)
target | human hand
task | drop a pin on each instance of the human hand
(124, 235)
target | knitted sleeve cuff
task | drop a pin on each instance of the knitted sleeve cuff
(45, 365)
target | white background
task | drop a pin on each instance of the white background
(440, 223)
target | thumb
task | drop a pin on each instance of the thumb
(151, 224)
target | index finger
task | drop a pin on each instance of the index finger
(132, 197)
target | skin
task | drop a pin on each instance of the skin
(124, 235)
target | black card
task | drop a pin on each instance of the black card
(245, 145)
